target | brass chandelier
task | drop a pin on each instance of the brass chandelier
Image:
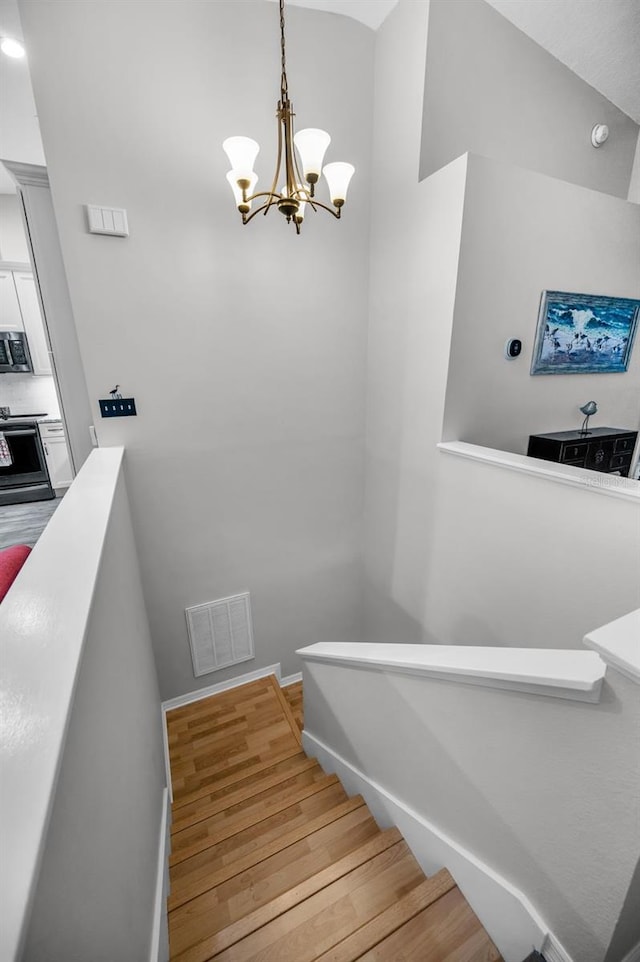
(298, 191)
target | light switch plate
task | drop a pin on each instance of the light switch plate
(122, 407)
(107, 220)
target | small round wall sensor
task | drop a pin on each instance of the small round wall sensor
(513, 348)
(599, 135)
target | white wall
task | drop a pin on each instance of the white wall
(411, 312)
(242, 346)
(13, 243)
(541, 790)
(458, 552)
(627, 933)
(492, 90)
(94, 895)
(82, 764)
(524, 233)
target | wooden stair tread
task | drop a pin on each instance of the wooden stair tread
(247, 841)
(257, 793)
(240, 895)
(446, 931)
(271, 862)
(203, 871)
(259, 730)
(210, 831)
(208, 719)
(236, 773)
(257, 921)
(326, 918)
(190, 770)
(189, 752)
(189, 813)
(393, 918)
(222, 703)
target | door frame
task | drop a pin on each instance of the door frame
(36, 205)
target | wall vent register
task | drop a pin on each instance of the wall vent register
(220, 633)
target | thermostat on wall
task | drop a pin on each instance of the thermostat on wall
(513, 348)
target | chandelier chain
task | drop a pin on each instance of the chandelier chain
(284, 90)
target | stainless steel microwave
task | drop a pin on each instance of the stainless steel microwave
(14, 353)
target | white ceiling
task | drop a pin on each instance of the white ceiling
(598, 39)
(370, 12)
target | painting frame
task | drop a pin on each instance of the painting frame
(584, 333)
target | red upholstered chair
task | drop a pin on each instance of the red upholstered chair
(11, 560)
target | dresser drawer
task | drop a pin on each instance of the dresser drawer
(51, 429)
(574, 452)
(624, 444)
(620, 461)
(599, 454)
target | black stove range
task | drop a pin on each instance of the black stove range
(26, 477)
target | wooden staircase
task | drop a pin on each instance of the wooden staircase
(272, 861)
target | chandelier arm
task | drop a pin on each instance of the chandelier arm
(274, 183)
(258, 210)
(300, 180)
(289, 162)
(264, 193)
(316, 203)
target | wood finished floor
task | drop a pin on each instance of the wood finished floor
(24, 523)
(272, 862)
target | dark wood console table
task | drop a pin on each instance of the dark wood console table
(602, 449)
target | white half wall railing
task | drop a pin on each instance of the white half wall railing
(563, 674)
(82, 796)
(516, 769)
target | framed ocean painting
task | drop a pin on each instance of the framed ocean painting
(584, 334)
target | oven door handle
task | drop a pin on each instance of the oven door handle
(9, 433)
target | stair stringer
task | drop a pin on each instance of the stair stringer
(510, 919)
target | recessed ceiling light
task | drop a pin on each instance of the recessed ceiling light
(12, 48)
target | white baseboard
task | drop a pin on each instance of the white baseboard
(507, 915)
(159, 950)
(192, 696)
(290, 679)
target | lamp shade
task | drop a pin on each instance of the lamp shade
(233, 176)
(312, 144)
(338, 176)
(242, 153)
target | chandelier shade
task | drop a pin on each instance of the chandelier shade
(242, 202)
(338, 176)
(242, 153)
(299, 163)
(311, 145)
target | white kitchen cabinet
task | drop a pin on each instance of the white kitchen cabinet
(10, 313)
(56, 453)
(33, 323)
